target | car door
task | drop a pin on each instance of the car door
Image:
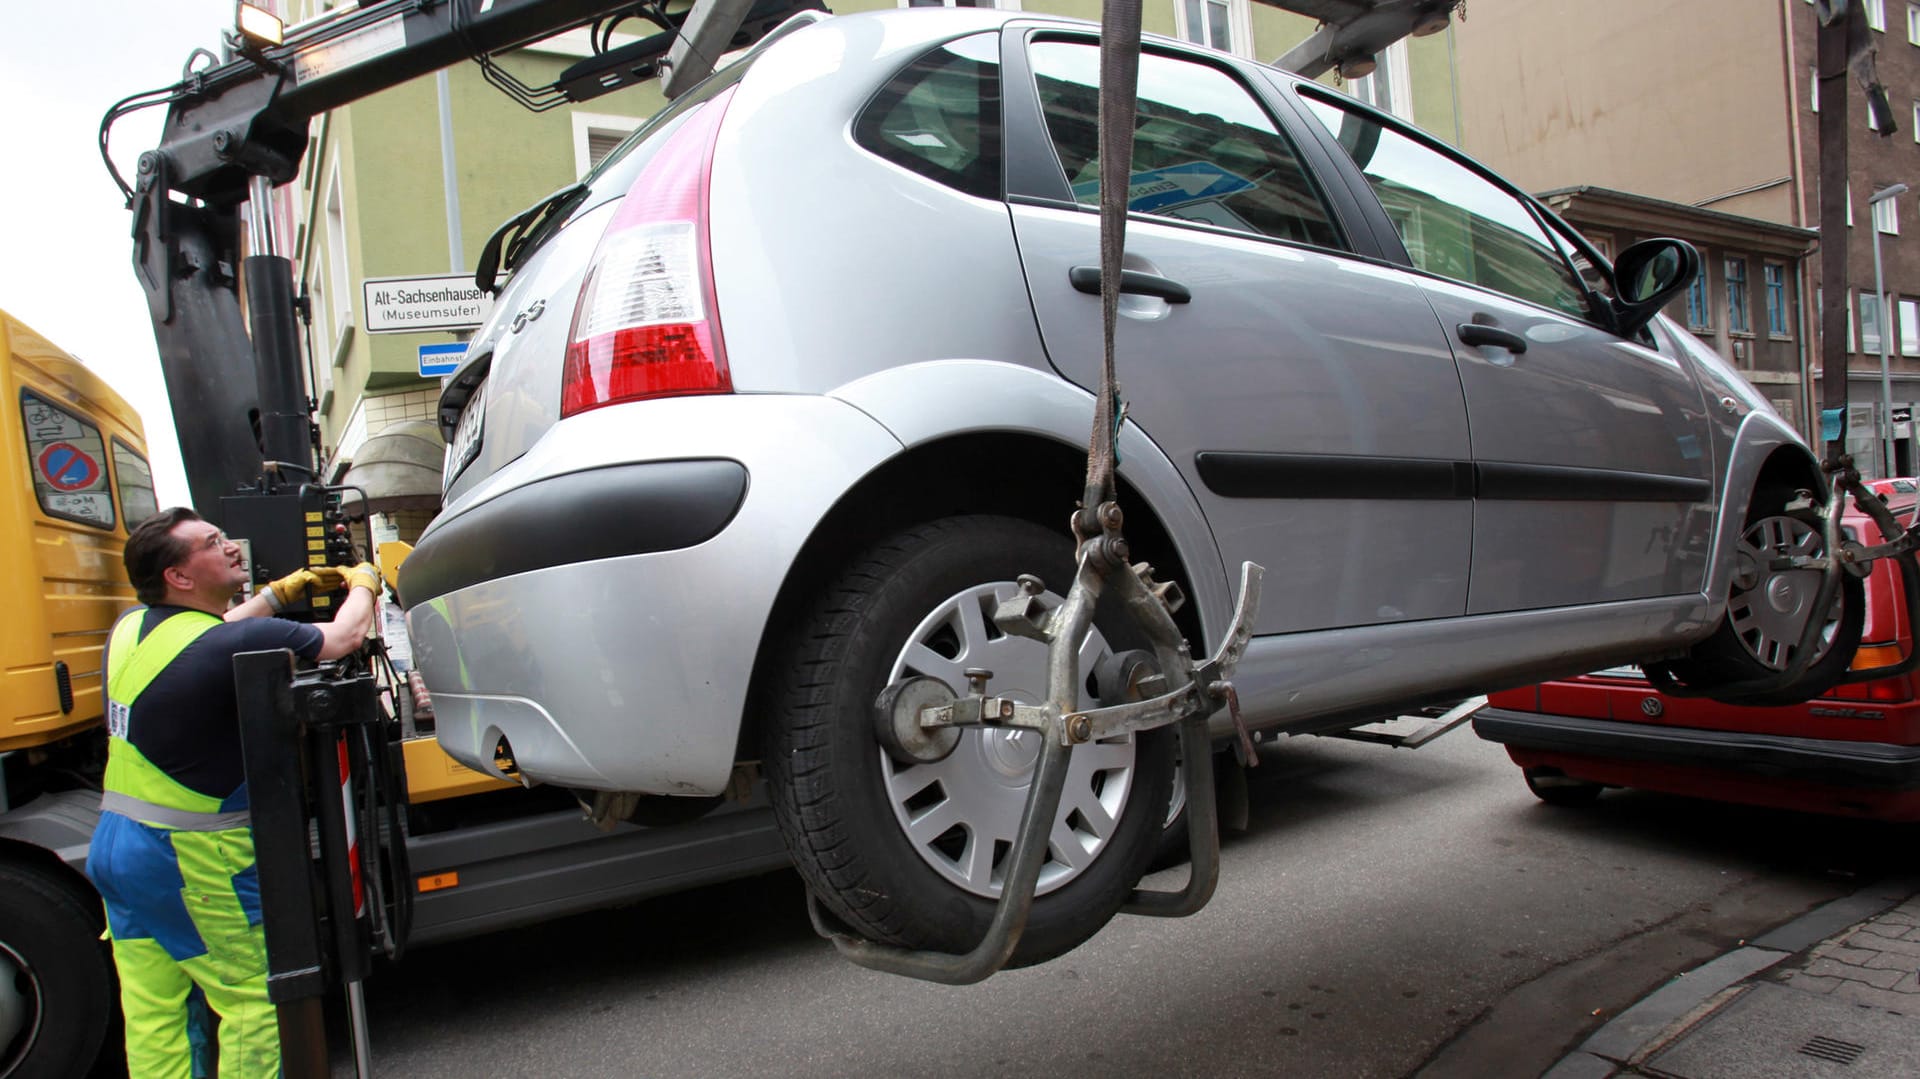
(1306, 394)
(1590, 451)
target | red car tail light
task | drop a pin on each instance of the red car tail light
(645, 324)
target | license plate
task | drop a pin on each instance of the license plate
(466, 433)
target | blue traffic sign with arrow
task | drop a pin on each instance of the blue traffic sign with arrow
(1157, 189)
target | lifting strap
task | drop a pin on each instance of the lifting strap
(1119, 82)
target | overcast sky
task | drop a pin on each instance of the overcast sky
(65, 252)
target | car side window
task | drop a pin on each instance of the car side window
(1454, 222)
(1204, 149)
(940, 116)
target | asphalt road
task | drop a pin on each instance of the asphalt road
(1387, 913)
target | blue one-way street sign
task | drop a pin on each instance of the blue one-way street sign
(436, 360)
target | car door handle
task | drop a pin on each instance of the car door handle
(1087, 280)
(1474, 333)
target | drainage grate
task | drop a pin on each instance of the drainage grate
(1832, 1049)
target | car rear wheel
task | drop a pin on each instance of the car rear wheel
(914, 854)
(1766, 612)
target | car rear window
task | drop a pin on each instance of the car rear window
(940, 116)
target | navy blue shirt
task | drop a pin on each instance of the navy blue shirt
(187, 721)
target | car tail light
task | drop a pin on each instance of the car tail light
(1875, 655)
(645, 324)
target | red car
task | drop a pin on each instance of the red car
(1854, 752)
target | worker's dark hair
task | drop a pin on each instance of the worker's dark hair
(151, 548)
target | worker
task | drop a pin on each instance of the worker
(173, 852)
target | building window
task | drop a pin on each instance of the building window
(1390, 87)
(1776, 281)
(1699, 315)
(595, 136)
(1876, 14)
(1913, 24)
(1869, 322)
(1886, 216)
(1909, 328)
(1218, 24)
(1813, 87)
(1737, 297)
(339, 282)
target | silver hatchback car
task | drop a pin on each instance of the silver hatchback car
(780, 401)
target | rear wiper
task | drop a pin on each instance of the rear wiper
(523, 232)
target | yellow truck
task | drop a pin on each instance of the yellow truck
(73, 475)
(485, 855)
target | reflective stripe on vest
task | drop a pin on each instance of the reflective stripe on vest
(133, 663)
(180, 820)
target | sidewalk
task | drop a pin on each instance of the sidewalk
(1833, 992)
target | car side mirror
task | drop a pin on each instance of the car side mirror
(1646, 276)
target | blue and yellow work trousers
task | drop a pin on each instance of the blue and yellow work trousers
(183, 909)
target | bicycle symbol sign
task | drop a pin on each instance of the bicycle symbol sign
(67, 467)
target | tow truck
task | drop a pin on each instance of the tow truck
(239, 128)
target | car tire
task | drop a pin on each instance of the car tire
(1752, 641)
(1555, 788)
(920, 602)
(57, 971)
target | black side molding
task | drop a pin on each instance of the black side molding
(1315, 476)
(1312, 475)
(577, 517)
(1534, 483)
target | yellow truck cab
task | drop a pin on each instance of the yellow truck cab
(73, 478)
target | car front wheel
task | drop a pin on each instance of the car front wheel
(1768, 609)
(913, 854)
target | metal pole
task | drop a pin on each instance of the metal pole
(1886, 384)
(456, 254)
(1835, 105)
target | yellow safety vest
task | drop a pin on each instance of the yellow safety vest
(134, 786)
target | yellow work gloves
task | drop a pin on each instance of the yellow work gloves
(294, 586)
(291, 588)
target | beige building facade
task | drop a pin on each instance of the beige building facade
(1712, 104)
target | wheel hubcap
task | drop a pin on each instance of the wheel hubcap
(19, 1009)
(962, 813)
(1769, 607)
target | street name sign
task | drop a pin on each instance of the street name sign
(414, 304)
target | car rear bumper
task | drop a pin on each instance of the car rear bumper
(1875, 765)
(599, 604)
(686, 503)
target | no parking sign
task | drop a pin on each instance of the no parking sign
(68, 454)
(68, 468)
